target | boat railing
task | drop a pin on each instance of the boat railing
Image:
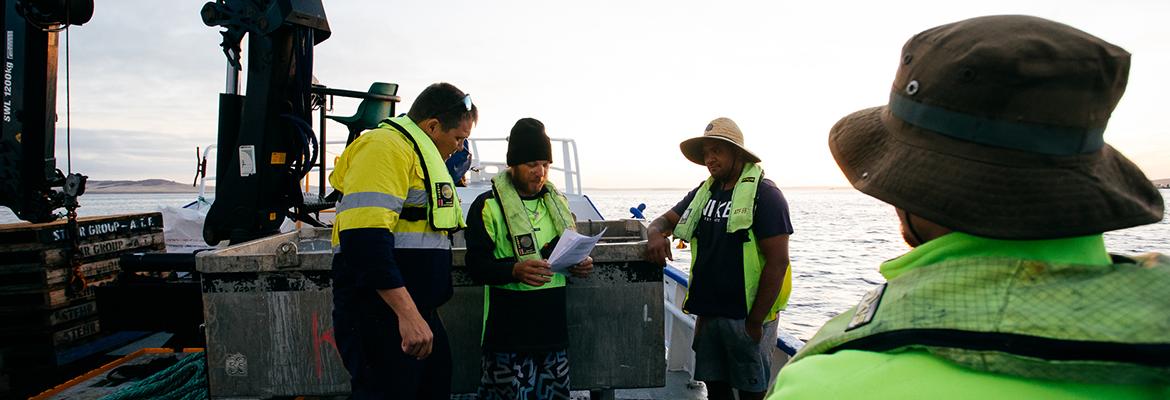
(479, 175)
(568, 164)
(481, 170)
(201, 172)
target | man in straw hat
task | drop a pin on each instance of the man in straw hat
(991, 152)
(510, 234)
(738, 224)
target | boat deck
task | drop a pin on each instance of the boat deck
(96, 384)
(678, 386)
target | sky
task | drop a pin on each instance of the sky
(627, 80)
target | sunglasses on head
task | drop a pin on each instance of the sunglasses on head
(465, 102)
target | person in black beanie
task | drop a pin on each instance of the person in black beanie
(511, 229)
(528, 142)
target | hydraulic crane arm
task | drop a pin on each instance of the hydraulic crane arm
(266, 142)
(28, 167)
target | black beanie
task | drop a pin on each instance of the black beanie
(528, 142)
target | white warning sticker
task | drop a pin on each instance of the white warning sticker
(247, 160)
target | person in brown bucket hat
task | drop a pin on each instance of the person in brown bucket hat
(991, 152)
(738, 225)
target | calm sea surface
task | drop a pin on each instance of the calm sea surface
(841, 237)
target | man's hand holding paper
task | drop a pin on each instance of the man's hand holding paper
(583, 268)
(572, 250)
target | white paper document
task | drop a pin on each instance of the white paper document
(572, 249)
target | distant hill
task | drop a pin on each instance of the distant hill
(1162, 183)
(145, 186)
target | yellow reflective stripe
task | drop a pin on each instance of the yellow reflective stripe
(421, 240)
(416, 197)
(370, 199)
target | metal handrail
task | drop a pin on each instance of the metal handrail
(784, 341)
(204, 178)
(571, 168)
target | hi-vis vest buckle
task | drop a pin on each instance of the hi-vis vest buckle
(446, 194)
(867, 308)
(525, 244)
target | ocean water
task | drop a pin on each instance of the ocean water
(840, 238)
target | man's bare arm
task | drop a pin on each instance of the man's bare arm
(657, 246)
(776, 262)
(416, 333)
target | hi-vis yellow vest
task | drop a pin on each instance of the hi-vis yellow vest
(393, 177)
(1025, 318)
(445, 212)
(519, 240)
(743, 205)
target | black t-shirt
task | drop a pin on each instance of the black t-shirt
(716, 285)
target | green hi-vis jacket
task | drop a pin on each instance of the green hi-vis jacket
(520, 240)
(982, 322)
(743, 206)
(511, 230)
(402, 185)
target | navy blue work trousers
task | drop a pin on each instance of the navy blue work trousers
(371, 349)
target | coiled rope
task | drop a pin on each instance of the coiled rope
(185, 380)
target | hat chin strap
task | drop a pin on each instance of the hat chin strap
(910, 227)
(732, 175)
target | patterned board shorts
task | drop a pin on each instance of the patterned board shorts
(526, 376)
(725, 353)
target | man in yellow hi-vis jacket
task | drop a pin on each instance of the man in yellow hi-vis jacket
(391, 238)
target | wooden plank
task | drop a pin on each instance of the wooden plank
(41, 320)
(92, 271)
(17, 261)
(108, 248)
(24, 236)
(76, 333)
(40, 278)
(54, 337)
(49, 298)
(25, 260)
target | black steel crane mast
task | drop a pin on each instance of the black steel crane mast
(266, 143)
(265, 139)
(28, 166)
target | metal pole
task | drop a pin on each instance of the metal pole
(570, 169)
(233, 80)
(321, 154)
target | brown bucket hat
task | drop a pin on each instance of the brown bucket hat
(719, 129)
(994, 127)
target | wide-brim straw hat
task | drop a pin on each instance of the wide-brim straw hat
(723, 129)
(995, 128)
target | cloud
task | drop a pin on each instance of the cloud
(627, 80)
(110, 154)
